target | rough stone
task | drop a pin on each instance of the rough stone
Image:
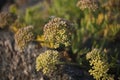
(16, 65)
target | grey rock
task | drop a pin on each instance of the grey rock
(16, 65)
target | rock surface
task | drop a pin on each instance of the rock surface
(16, 65)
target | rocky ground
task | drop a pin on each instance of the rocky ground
(16, 65)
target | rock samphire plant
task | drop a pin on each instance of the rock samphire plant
(58, 31)
(23, 36)
(87, 4)
(47, 61)
(100, 66)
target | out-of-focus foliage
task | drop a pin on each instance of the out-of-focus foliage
(14, 9)
(112, 31)
(37, 16)
(65, 9)
(93, 26)
(16, 26)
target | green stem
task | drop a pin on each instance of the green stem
(68, 63)
(71, 64)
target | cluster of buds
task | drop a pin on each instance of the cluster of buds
(58, 31)
(23, 36)
(87, 4)
(47, 61)
(6, 19)
(100, 66)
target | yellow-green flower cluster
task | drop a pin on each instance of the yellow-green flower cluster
(23, 36)
(6, 19)
(58, 31)
(47, 61)
(87, 4)
(100, 66)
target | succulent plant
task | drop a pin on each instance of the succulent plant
(23, 36)
(87, 4)
(6, 19)
(47, 61)
(58, 31)
(100, 66)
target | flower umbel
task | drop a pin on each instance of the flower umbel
(87, 4)
(46, 61)
(58, 31)
(100, 66)
(23, 36)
